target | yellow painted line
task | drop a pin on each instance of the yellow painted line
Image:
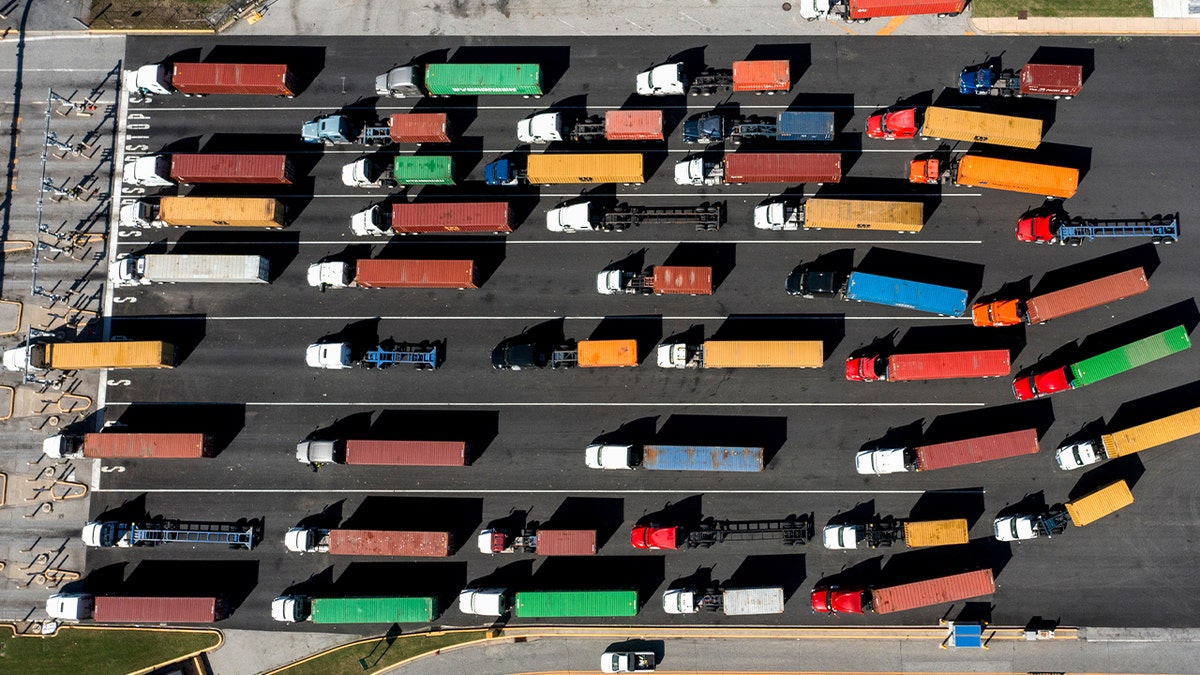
(848, 633)
(892, 25)
(818, 672)
(844, 27)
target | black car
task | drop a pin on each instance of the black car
(519, 352)
(812, 284)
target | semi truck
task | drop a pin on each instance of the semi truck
(1080, 512)
(136, 609)
(403, 170)
(201, 79)
(433, 218)
(731, 601)
(520, 352)
(1112, 362)
(563, 169)
(592, 217)
(743, 354)
(205, 212)
(156, 268)
(392, 543)
(461, 79)
(968, 126)
(91, 355)
(1048, 306)
(671, 79)
(293, 608)
(952, 588)
(1048, 524)
(881, 290)
(1035, 79)
(860, 11)
(549, 604)
(881, 461)
(380, 273)
(757, 167)
(339, 129)
(788, 126)
(539, 541)
(128, 446)
(887, 531)
(1051, 228)
(355, 452)
(1000, 174)
(113, 534)
(791, 531)
(932, 366)
(170, 169)
(674, 457)
(842, 214)
(1129, 441)
(340, 356)
(616, 125)
(657, 280)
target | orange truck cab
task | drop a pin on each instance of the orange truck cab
(999, 313)
(924, 171)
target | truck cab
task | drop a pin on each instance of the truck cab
(62, 445)
(483, 601)
(129, 270)
(149, 79)
(97, 534)
(834, 600)
(140, 213)
(668, 79)
(501, 172)
(706, 128)
(570, 218)
(370, 222)
(813, 283)
(778, 216)
(302, 540)
(656, 537)
(319, 452)
(148, 171)
(330, 274)
(678, 355)
(998, 313)
(892, 125)
(679, 601)
(977, 79)
(598, 456)
(330, 130)
(695, 171)
(328, 355)
(1042, 384)
(884, 460)
(841, 537)
(400, 82)
(545, 127)
(615, 282)
(627, 662)
(367, 173)
(519, 352)
(812, 10)
(1078, 455)
(1038, 229)
(291, 608)
(17, 358)
(493, 541)
(1014, 528)
(70, 606)
(866, 369)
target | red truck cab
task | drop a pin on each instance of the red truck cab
(1038, 229)
(893, 124)
(834, 600)
(1042, 384)
(655, 538)
(866, 369)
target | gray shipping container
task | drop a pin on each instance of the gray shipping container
(170, 269)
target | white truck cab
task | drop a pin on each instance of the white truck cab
(1076, 455)
(148, 171)
(330, 274)
(668, 79)
(611, 282)
(329, 355)
(316, 452)
(776, 216)
(881, 461)
(545, 127)
(483, 601)
(291, 608)
(598, 456)
(400, 82)
(1014, 528)
(104, 534)
(60, 446)
(303, 540)
(16, 359)
(140, 213)
(150, 79)
(673, 355)
(812, 10)
(840, 537)
(369, 223)
(70, 606)
(366, 173)
(695, 171)
(570, 219)
(679, 601)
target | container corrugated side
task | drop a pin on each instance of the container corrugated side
(1152, 434)
(859, 214)
(221, 211)
(1044, 78)
(143, 609)
(702, 458)
(419, 128)
(811, 125)
(764, 354)
(775, 167)
(905, 293)
(390, 543)
(633, 125)
(1105, 501)
(1132, 355)
(423, 169)
(452, 217)
(119, 354)
(953, 588)
(675, 280)
(948, 365)
(247, 169)
(555, 169)
(978, 127)
(201, 268)
(751, 601)
(607, 353)
(483, 79)
(551, 604)
(762, 75)
(867, 9)
(1087, 295)
(380, 273)
(373, 610)
(271, 79)
(158, 446)
(1005, 174)
(406, 453)
(566, 542)
(980, 449)
(935, 532)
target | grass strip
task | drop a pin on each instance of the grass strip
(1062, 8)
(372, 656)
(98, 651)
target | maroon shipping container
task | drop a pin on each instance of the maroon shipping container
(419, 128)
(972, 450)
(919, 594)
(129, 609)
(868, 9)
(250, 169)
(379, 273)
(390, 543)
(407, 453)
(159, 446)
(758, 167)
(948, 365)
(566, 542)
(452, 217)
(234, 78)
(1052, 80)
(1086, 296)
(633, 125)
(681, 280)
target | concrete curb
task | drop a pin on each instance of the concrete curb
(310, 657)
(1085, 26)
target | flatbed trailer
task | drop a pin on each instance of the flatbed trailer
(591, 217)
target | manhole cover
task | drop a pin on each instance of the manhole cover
(787, 6)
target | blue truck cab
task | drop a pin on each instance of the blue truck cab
(501, 172)
(330, 129)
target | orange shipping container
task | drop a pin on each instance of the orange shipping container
(390, 543)
(769, 76)
(419, 128)
(633, 125)
(607, 353)
(379, 273)
(764, 354)
(1004, 174)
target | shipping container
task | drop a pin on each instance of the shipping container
(406, 453)
(811, 125)
(1004, 174)
(702, 458)
(390, 543)
(221, 212)
(935, 532)
(423, 169)
(977, 127)
(870, 9)
(117, 354)
(136, 446)
(673, 280)
(607, 353)
(795, 167)
(132, 609)
(233, 78)
(248, 169)
(419, 128)
(379, 273)
(762, 75)
(552, 169)
(752, 601)
(764, 354)
(1152, 434)
(566, 542)
(633, 125)
(981, 449)
(1043, 308)
(948, 365)
(468, 217)
(953, 588)
(903, 293)
(373, 610)
(483, 79)
(1132, 355)
(859, 214)
(554, 604)
(1094, 506)
(200, 268)
(1052, 80)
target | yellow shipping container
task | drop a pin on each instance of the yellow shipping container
(1151, 434)
(550, 169)
(607, 353)
(1092, 507)
(1004, 174)
(977, 127)
(764, 354)
(858, 214)
(120, 354)
(935, 532)
(221, 212)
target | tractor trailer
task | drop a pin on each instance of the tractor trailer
(461, 79)
(788, 126)
(616, 125)
(383, 453)
(433, 218)
(881, 290)
(1035, 79)
(539, 541)
(1079, 512)
(590, 216)
(671, 79)
(403, 170)
(840, 214)
(567, 169)
(935, 366)
(136, 609)
(881, 461)
(391, 543)
(379, 273)
(114, 534)
(386, 610)
(399, 128)
(790, 531)
(953, 588)
(201, 79)
(674, 457)
(887, 531)
(956, 125)
(1129, 441)
(1000, 174)
(156, 268)
(657, 280)
(731, 601)
(861, 11)
(91, 355)
(1060, 228)
(1048, 306)
(205, 212)
(167, 170)
(521, 352)
(758, 167)
(743, 354)
(128, 446)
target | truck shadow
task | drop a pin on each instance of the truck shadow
(883, 189)
(327, 518)
(1156, 406)
(931, 563)
(965, 503)
(852, 575)
(721, 258)
(957, 338)
(130, 511)
(104, 580)
(279, 248)
(305, 62)
(513, 576)
(1067, 56)
(637, 432)
(185, 331)
(361, 335)
(798, 56)
(768, 433)
(602, 514)
(647, 330)
(1183, 313)
(686, 512)
(645, 573)
(1128, 469)
(787, 570)
(842, 107)
(477, 427)
(459, 118)
(232, 579)
(1038, 414)
(221, 421)
(860, 513)
(554, 60)
(830, 329)
(925, 269)
(1144, 256)
(460, 516)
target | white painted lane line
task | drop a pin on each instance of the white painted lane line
(369, 194)
(591, 150)
(582, 404)
(528, 106)
(639, 491)
(808, 317)
(615, 240)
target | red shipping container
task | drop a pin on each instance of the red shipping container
(406, 453)
(1044, 78)
(390, 543)
(762, 75)
(419, 128)
(919, 594)
(249, 169)
(130, 609)
(379, 273)
(948, 365)
(682, 280)
(758, 167)
(452, 217)
(972, 450)
(160, 446)
(633, 125)
(566, 542)
(233, 78)
(867, 9)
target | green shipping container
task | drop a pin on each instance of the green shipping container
(1132, 355)
(423, 170)
(542, 604)
(373, 610)
(483, 79)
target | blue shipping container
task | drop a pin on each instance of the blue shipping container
(701, 458)
(902, 293)
(804, 126)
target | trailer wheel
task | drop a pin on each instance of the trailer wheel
(1168, 240)
(1156, 240)
(1068, 97)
